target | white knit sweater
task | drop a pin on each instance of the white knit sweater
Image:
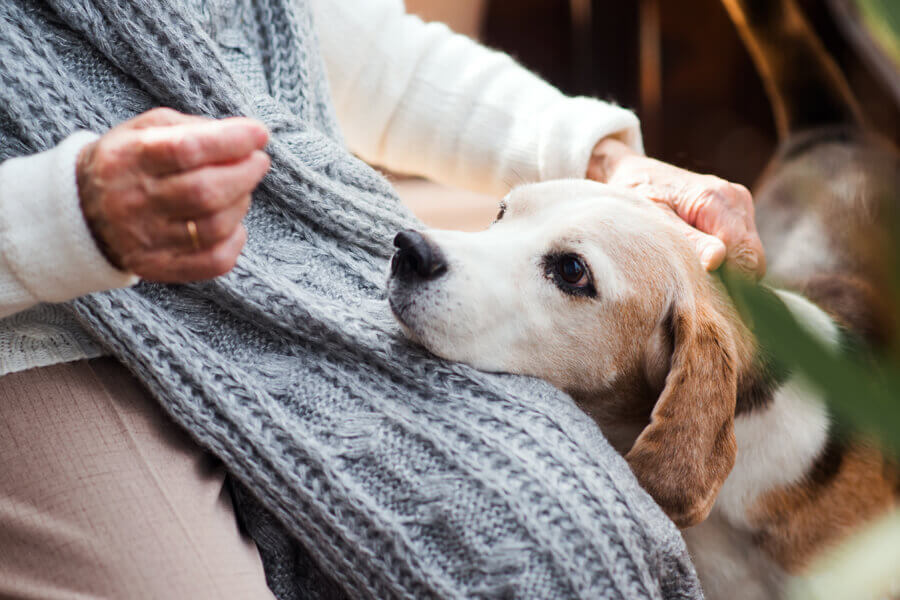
(410, 96)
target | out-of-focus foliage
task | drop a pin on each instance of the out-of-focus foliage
(867, 566)
(882, 19)
(863, 393)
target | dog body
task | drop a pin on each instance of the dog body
(600, 293)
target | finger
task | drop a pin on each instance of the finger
(162, 117)
(165, 267)
(180, 148)
(710, 250)
(748, 256)
(209, 189)
(663, 194)
(751, 256)
(745, 249)
(210, 230)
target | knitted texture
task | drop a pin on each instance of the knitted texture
(362, 465)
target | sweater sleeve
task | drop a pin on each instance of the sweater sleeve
(417, 98)
(47, 253)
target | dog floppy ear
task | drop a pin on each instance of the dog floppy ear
(684, 455)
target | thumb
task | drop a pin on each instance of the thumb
(710, 250)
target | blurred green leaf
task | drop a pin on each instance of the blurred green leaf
(882, 19)
(864, 566)
(864, 394)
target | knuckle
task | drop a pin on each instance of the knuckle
(190, 150)
(724, 192)
(151, 187)
(122, 208)
(185, 151)
(720, 187)
(741, 189)
(708, 197)
(203, 195)
(742, 194)
(106, 163)
(160, 114)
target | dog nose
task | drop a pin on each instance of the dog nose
(416, 257)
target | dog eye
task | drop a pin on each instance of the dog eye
(570, 274)
(572, 270)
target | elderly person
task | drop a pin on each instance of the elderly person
(187, 295)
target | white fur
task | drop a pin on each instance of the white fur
(811, 317)
(777, 444)
(800, 247)
(729, 564)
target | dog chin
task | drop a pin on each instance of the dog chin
(412, 330)
(418, 327)
(410, 325)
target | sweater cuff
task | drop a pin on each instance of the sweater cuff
(48, 250)
(570, 129)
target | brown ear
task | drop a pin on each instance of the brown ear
(684, 455)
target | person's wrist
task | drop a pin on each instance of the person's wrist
(89, 208)
(606, 157)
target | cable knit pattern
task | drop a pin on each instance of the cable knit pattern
(363, 466)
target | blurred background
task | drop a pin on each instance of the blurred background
(679, 64)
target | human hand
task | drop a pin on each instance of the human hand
(164, 194)
(720, 212)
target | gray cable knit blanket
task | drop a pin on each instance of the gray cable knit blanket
(362, 466)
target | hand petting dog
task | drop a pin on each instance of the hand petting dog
(720, 212)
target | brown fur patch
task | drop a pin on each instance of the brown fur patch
(855, 305)
(849, 486)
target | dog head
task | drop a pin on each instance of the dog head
(599, 292)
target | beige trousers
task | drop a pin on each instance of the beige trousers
(102, 496)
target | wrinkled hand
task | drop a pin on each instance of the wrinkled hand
(143, 182)
(720, 212)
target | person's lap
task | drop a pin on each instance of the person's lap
(102, 496)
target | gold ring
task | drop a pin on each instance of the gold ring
(192, 232)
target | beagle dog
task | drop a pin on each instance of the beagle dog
(599, 292)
